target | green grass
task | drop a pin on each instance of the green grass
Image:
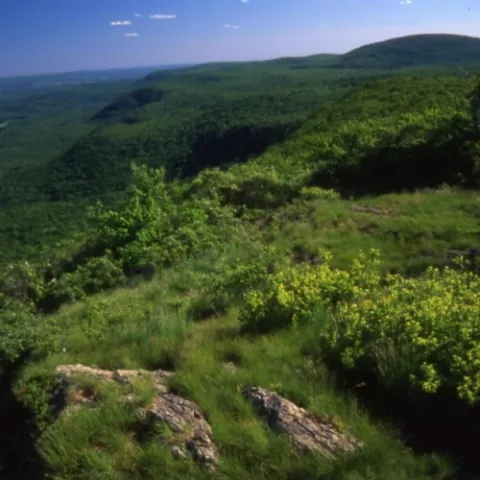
(102, 443)
(414, 231)
(159, 324)
(125, 329)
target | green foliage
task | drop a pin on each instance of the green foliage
(209, 118)
(97, 274)
(142, 220)
(291, 295)
(420, 331)
(128, 102)
(474, 101)
(236, 274)
(22, 282)
(316, 193)
(223, 114)
(35, 392)
(435, 316)
(19, 330)
(21, 286)
(53, 117)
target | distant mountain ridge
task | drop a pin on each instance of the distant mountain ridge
(414, 50)
(53, 81)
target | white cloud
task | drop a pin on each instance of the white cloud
(227, 25)
(162, 16)
(120, 23)
(244, 1)
(138, 15)
(133, 34)
(406, 2)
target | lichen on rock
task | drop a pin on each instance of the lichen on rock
(307, 432)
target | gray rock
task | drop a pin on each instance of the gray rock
(191, 432)
(368, 209)
(307, 433)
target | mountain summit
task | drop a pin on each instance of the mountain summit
(414, 50)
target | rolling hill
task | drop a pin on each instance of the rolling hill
(188, 120)
(30, 84)
(414, 50)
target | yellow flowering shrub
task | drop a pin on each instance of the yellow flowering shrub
(421, 333)
(291, 295)
(437, 315)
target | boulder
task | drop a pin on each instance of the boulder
(184, 418)
(191, 432)
(308, 433)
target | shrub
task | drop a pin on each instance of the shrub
(317, 193)
(22, 282)
(97, 274)
(290, 296)
(239, 274)
(19, 330)
(435, 317)
(418, 334)
(36, 392)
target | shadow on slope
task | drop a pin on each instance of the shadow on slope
(128, 102)
(236, 144)
(438, 424)
(19, 459)
(397, 164)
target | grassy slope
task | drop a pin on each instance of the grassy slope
(154, 326)
(200, 353)
(215, 115)
(411, 231)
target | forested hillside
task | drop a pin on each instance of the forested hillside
(415, 50)
(190, 121)
(257, 270)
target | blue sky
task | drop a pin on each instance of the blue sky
(39, 36)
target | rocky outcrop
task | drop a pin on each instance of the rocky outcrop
(184, 419)
(307, 433)
(367, 209)
(66, 372)
(191, 432)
